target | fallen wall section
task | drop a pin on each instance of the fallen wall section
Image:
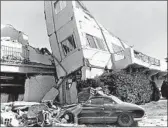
(37, 86)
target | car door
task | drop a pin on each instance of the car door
(92, 112)
(110, 114)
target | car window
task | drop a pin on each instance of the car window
(109, 101)
(97, 101)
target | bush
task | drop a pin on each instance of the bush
(129, 87)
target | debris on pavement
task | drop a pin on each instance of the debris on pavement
(28, 114)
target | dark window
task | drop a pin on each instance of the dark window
(68, 45)
(100, 44)
(91, 41)
(95, 42)
(97, 101)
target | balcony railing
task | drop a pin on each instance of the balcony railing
(146, 58)
(14, 55)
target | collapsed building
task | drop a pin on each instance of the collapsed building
(83, 49)
(27, 73)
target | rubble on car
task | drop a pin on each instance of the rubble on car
(34, 114)
(45, 113)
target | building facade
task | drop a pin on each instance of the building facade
(83, 48)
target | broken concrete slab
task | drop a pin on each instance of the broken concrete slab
(40, 84)
(50, 95)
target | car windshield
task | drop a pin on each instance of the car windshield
(116, 99)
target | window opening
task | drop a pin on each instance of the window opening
(59, 6)
(95, 42)
(68, 45)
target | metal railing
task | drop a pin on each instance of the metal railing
(14, 55)
(146, 58)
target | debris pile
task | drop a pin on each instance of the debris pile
(132, 87)
(29, 114)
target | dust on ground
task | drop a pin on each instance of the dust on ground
(156, 114)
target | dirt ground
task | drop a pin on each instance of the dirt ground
(156, 114)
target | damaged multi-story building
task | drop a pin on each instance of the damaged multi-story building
(27, 73)
(83, 48)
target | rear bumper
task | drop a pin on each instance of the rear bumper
(141, 118)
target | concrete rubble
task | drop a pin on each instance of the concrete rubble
(44, 113)
(26, 114)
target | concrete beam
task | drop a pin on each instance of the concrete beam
(27, 68)
(13, 85)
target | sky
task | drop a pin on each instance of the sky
(141, 24)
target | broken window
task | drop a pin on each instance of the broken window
(68, 45)
(95, 42)
(59, 6)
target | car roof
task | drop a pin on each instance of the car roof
(100, 97)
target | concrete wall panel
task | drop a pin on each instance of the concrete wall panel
(66, 31)
(55, 47)
(36, 87)
(34, 56)
(63, 16)
(71, 63)
(49, 17)
(97, 57)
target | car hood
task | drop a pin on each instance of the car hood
(129, 106)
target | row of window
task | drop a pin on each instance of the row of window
(69, 44)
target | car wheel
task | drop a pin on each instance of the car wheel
(125, 120)
(70, 117)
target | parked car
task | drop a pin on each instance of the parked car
(106, 110)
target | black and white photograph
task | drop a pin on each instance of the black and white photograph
(83, 64)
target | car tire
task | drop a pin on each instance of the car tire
(71, 117)
(125, 120)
